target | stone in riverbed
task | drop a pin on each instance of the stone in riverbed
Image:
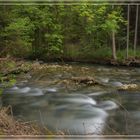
(117, 84)
(128, 87)
(103, 80)
(108, 105)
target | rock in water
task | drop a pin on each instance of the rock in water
(104, 80)
(51, 89)
(108, 105)
(16, 89)
(128, 87)
(116, 84)
(73, 99)
(35, 92)
(24, 90)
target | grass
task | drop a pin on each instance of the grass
(122, 54)
(103, 53)
(87, 53)
(10, 126)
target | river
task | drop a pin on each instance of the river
(78, 109)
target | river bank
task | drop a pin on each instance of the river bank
(12, 126)
(16, 66)
(130, 62)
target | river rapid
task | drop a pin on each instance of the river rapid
(48, 98)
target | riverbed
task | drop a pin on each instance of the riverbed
(46, 96)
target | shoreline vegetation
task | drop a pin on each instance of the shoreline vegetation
(12, 126)
(9, 125)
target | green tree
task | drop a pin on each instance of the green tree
(45, 31)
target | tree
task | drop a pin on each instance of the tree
(113, 44)
(136, 29)
(128, 20)
(44, 31)
(112, 26)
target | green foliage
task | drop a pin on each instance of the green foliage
(98, 53)
(122, 53)
(55, 43)
(46, 31)
(113, 21)
(12, 82)
(1, 91)
(6, 65)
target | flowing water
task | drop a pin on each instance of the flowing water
(78, 109)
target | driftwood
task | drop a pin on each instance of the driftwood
(85, 80)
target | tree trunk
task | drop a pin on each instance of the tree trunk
(113, 43)
(36, 42)
(128, 17)
(114, 46)
(136, 29)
